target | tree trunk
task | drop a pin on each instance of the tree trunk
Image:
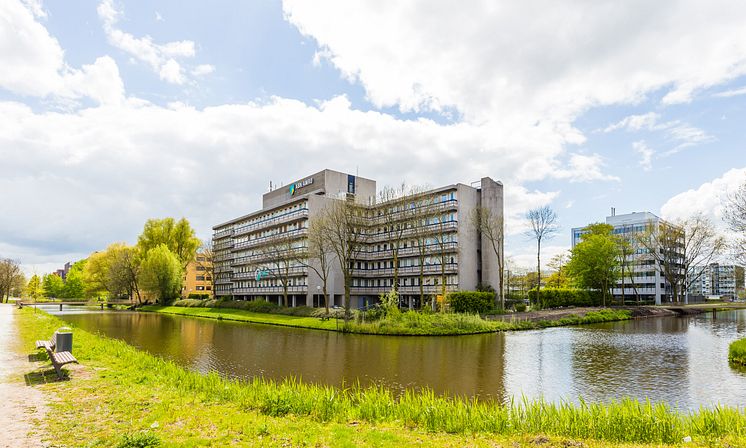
(538, 269)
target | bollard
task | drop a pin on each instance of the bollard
(63, 340)
(60, 307)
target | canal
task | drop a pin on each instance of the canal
(678, 360)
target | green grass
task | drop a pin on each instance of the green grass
(737, 352)
(408, 323)
(122, 395)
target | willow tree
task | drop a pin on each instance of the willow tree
(178, 236)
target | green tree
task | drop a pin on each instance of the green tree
(114, 272)
(162, 273)
(75, 282)
(11, 278)
(52, 285)
(594, 263)
(34, 288)
(177, 236)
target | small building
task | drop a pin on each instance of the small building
(198, 278)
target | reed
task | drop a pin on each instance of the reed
(626, 420)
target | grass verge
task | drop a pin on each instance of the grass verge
(737, 352)
(123, 394)
(409, 323)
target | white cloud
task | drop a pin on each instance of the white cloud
(706, 199)
(646, 154)
(682, 135)
(33, 62)
(162, 58)
(730, 93)
(203, 69)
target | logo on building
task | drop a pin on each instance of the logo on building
(300, 184)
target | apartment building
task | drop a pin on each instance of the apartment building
(198, 278)
(448, 244)
(718, 280)
(645, 280)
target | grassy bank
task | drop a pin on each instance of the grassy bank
(121, 394)
(737, 352)
(406, 324)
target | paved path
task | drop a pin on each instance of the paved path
(21, 404)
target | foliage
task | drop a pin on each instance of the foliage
(114, 271)
(143, 439)
(254, 306)
(139, 387)
(196, 296)
(34, 289)
(559, 297)
(737, 351)
(177, 236)
(594, 263)
(162, 273)
(52, 285)
(471, 301)
(75, 281)
(520, 306)
(11, 278)
(389, 303)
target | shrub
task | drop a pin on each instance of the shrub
(520, 307)
(139, 440)
(737, 351)
(196, 296)
(559, 297)
(471, 301)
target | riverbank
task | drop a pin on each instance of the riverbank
(737, 352)
(403, 324)
(120, 392)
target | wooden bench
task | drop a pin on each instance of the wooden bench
(59, 359)
(47, 344)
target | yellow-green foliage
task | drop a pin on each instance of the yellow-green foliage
(737, 351)
(130, 389)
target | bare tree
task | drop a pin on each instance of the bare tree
(735, 217)
(319, 256)
(627, 243)
(277, 257)
(346, 234)
(492, 228)
(10, 277)
(543, 222)
(679, 248)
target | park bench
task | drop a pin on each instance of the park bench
(59, 359)
(47, 344)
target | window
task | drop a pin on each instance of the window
(200, 278)
(200, 268)
(200, 288)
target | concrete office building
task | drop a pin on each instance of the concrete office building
(241, 258)
(647, 281)
(718, 280)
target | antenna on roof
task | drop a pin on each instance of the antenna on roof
(270, 185)
(613, 211)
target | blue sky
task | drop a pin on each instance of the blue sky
(120, 111)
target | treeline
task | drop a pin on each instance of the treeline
(151, 270)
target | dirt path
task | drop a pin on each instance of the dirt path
(23, 407)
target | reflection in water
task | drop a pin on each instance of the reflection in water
(681, 361)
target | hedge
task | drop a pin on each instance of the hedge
(471, 301)
(558, 297)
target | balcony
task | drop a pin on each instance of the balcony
(222, 234)
(270, 238)
(269, 222)
(387, 254)
(430, 231)
(425, 210)
(294, 271)
(251, 259)
(413, 290)
(451, 268)
(271, 290)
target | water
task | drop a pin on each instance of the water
(678, 360)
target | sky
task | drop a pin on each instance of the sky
(113, 112)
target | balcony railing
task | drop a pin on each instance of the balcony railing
(406, 270)
(387, 254)
(290, 216)
(269, 238)
(222, 234)
(295, 270)
(270, 290)
(249, 259)
(430, 231)
(424, 210)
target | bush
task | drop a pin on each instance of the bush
(139, 440)
(471, 301)
(255, 306)
(195, 296)
(559, 297)
(737, 351)
(520, 307)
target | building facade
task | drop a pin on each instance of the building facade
(718, 280)
(446, 245)
(198, 278)
(644, 278)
